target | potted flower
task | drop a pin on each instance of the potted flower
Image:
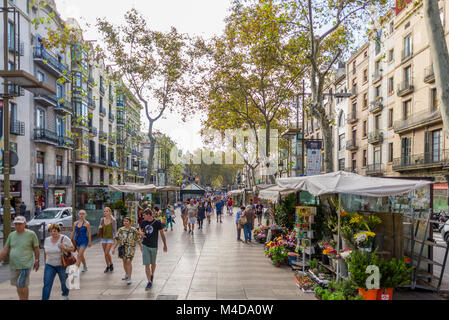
(364, 240)
(394, 273)
(358, 262)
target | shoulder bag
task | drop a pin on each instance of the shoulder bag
(122, 249)
(67, 258)
(100, 230)
(243, 220)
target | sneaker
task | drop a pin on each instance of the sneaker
(84, 269)
(111, 267)
(125, 277)
(64, 298)
(106, 270)
(128, 282)
(148, 287)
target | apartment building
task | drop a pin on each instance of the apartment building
(340, 85)
(41, 124)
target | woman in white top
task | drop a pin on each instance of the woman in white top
(53, 249)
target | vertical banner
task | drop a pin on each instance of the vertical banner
(314, 157)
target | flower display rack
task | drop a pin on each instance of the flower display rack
(305, 217)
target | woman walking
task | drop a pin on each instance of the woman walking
(160, 216)
(54, 246)
(108, 230)
(170, 217)
(209, 210)
(250, 217)
(239, 227)
(127, 237)
(81, 237)
(201, 214)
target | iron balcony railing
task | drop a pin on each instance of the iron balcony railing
(416, 161)
(429, 74)
(44, 135)
(102, 110)
(93, 131)
(66, 142)
(354, 91)
(416, 119)
(17, 128)
(103, 135)
(352, 117)
(377, 75)
(64, 105)
(47, 99)
(377, 168)
(52, 180)
(376, 137)
(92, 103)
(49, 61)
(405, 88)
(351, 145)
(376, 105)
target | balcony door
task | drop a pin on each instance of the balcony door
(40, 167)
(377, 157)
(40, 118)
(434, 146)
(60, 127)
(406, 150)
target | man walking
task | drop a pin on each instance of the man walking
(219, 207)
(184, 214)
(149, 230)
(23, 209)
(192, 213)
(23, 249)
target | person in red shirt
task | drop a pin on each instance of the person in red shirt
(230, 211)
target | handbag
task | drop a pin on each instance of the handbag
(122, 249)
(243, 220)
(67, 258)
(100, 230)
(76, 237)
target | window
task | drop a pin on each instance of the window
(407, 46)
(391, 27)
(407, 109)
(341, 142)
(91, 176)
(59, 91)
(378, 41)
(354, 135)
(433, 100)
(101, 176)
(40, 76)
(377, 122)
(390, 118)
(354, 109)
(341, 119)
(354, 70)
(365, 160)
(40, 118)
(390, 152)
(365, 128)
(406, 150)
(377, 67)
(40, 160)
(353, 161)
(341, 164)
(407, 74)
(365, 75)
(390, 85)
(11, 65)
(60, 127)
(13, 112)
(377, 156)
(436, 146)
(391, 55)
(354, 86)
(11, 35)
(59, 168)
(377, 92)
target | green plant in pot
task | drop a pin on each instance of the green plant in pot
(394, 274)
(278, 254)
(358, 262)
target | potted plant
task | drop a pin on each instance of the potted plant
(358, 263)
(364, 240)
(394, 273)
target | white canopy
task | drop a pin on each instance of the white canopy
(351, 183)
(236, 192)
(135, 188)
(275, 193)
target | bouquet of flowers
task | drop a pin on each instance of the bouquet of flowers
(364, 239)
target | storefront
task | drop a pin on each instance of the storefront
(15, 193)
(60, 197)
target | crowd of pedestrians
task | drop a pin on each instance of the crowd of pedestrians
(22, 245)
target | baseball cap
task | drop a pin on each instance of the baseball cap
(20, 219)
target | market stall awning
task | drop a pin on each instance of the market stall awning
(236, 192)
(193, 188)
(260, 187)
(275, 193)
(135, 188)
(351, 183)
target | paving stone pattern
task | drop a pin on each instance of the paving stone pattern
(207, 266)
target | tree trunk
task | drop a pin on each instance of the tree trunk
(440, 57)
(151, 156)
(328, 147)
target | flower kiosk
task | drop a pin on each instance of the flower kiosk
(360, 225)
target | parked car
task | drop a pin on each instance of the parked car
(445, 232)
(61, 216)
(13, 212)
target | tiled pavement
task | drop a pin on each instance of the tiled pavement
(207, 266)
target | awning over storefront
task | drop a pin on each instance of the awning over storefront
(351, 183)
(275, 193)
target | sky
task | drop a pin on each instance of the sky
(194, 17)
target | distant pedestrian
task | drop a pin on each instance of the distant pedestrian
(162, 217)
(219, 204)
(201, 214)
(54, 247)
(127, 237)
(23, 209)
(108, 225)
(184, 214)
(22, 247)
(259, 212)
(149, 230)
(250, 217)
(253, 206)
(170, 213)
(82, 238)
(209, 210)
(192, 213)
(230, 209)
(239, 227)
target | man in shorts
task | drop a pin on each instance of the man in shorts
(192, 215)
(23, 249)
(184, 214)
(219, 204)
(149, 230)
